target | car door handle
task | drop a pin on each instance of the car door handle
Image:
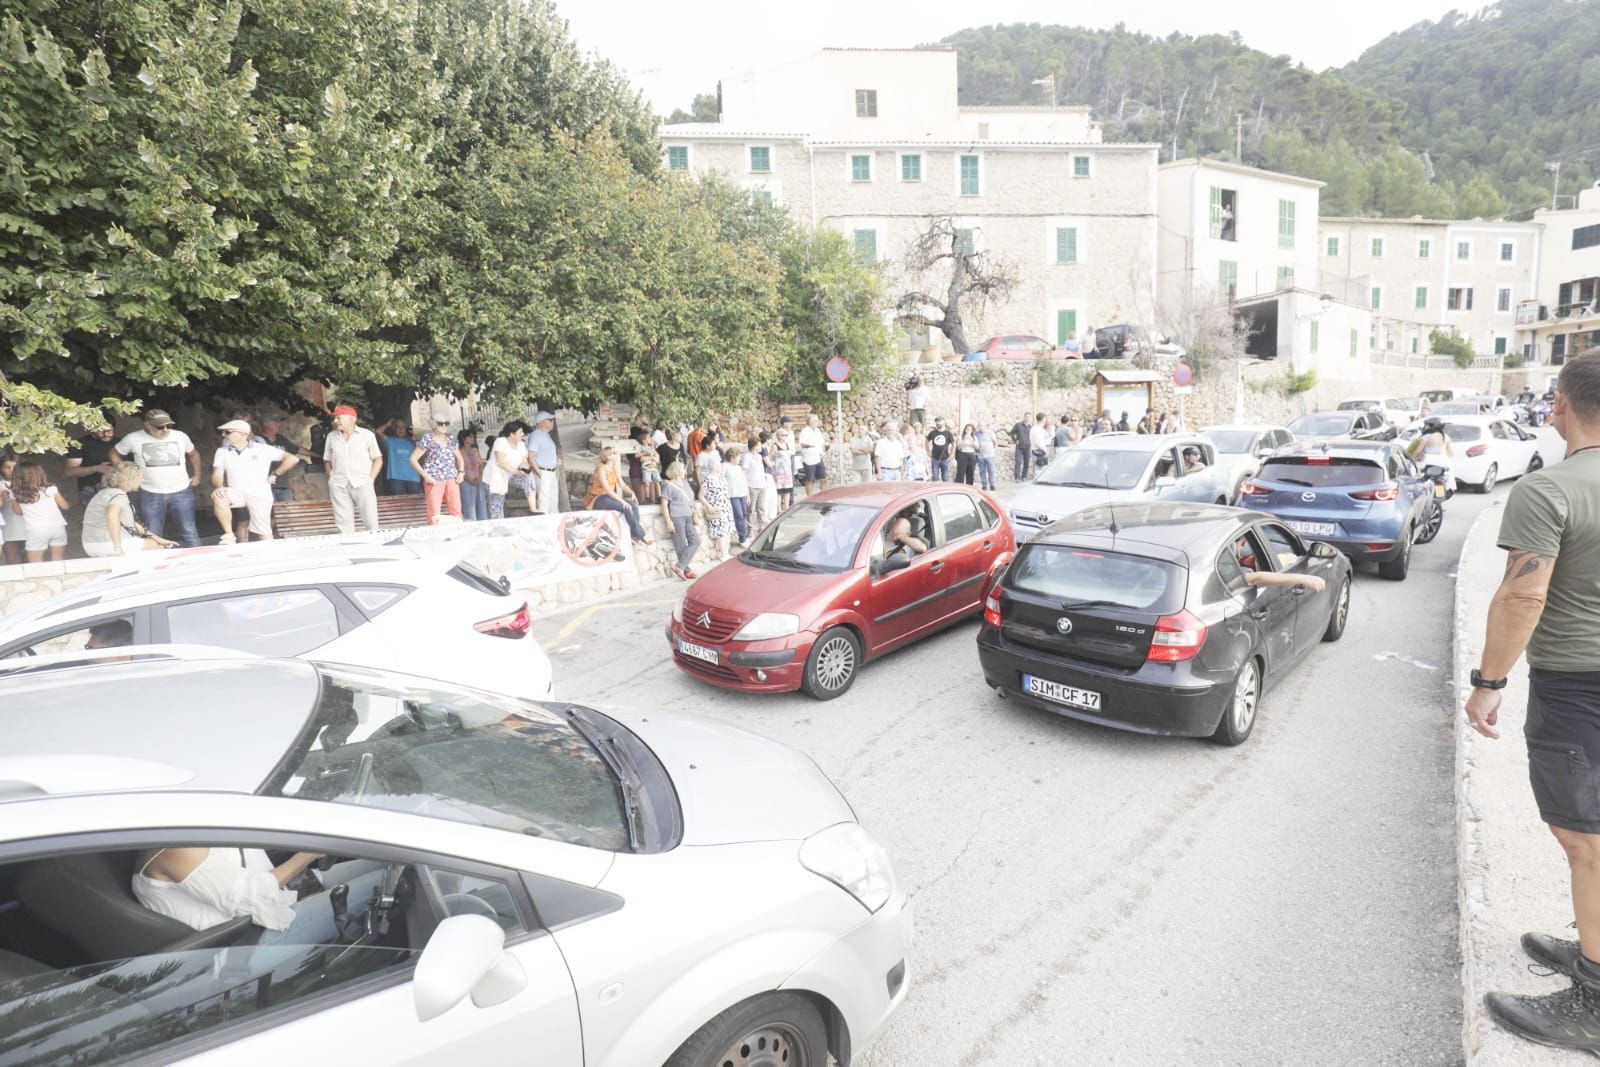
(937, 567)
(1259, 613)
(1299, 590)
(988, 546)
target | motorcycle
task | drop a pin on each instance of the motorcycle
(1443, 489)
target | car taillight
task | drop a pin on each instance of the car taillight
(1383, 492)
(991, 608)
(517, 624)
(1177, 638)
(1477, 450)
(1252, 489)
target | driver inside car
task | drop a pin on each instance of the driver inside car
(203, 887)
(901, 543)
(1246, 557)
(1192, 463)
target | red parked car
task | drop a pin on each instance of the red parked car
(1023, 346)
(823, 588)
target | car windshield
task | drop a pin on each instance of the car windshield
(1455, 407)
(1084, 577)
(810, 536)
(1233, 441)
(1095, 468)
(385, 742)
(1312, 425)
(1359, 405)
(1321, 473)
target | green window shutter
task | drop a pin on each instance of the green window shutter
(1314, 325)
(1285, 277)
(965, 244)
(866, 245)
(1377, 298)
(1066, 325)
(969, 175)
(1080, 166)
(1227, 275)
(911, 168)
(1422, 297)
(1066, 244)
(1216, 211)
(1285, 223)
(761, 160)
(1333, 246)
(678, 157)
(1377, 248)
(1424, 250)
(861, 168)
(1499, 346)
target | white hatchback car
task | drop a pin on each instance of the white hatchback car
(1486, 449)
(490, 881)
(385, 606)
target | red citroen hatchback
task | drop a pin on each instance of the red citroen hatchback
(826, 586)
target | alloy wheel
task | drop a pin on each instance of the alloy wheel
(1343, 609)
(1430, 525)
(836, 663)
(772, 1045)
(1245, 693)
(1489, 477)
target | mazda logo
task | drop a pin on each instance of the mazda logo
(1064, 625)
(1308, 497)
(704, 619)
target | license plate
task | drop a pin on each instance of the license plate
(1087, 699)
(1438, 490)
(699, 652)
(1317, 529)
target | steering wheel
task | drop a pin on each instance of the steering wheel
(467, 904)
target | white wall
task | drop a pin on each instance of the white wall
(916, 94)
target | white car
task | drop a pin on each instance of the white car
(1242, 447)
(504, 882)
(1392, 408)
(1121, 466)
(1489, 448)
(386, 606)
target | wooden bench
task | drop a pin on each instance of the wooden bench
(310, 518)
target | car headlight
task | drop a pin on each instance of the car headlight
(768, 624)
(847, 856)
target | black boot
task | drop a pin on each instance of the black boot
(1557, 953)
(1568, 1019)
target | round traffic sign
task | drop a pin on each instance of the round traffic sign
(838, 369)
(1182, 375)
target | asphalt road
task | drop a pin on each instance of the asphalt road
(1085, 895)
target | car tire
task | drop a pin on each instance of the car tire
(1432, 524)
(1490, 476)
(781, 1028)
(832, 664)
(1395, 570)
(1536, 463)
(1239, 717)
(1340, 613)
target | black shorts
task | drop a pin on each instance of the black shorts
(815, 472)
(1563, 734)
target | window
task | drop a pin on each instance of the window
(1424, 249)
(373, 600)
(1285, 277)
(991, 517)
(1463, 251)
(1333, 246)
(1281, 544)
(865, 243)
(1508, 251)
(1227, 276)
(1422, 297)
(760, 159)
(958, 515)
(1080, 166)
(1377, 297)
(1502, 298)
(1066, 324)
(1352, 343)
(1066, 244)
(108, 631)
(1285, 223)
(763, 197)
(983, 131)
(1223, 205)
(273, 622)
(1586, 237)
(1413, 346)
(861, 168)
(1499, 346)
(1314, 333)
(678, 157)
(911, 168)
(966, 242)
(1458, 300)
(866, 103)
(969, 169)
(1377, 248)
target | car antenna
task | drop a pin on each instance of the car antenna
(1111, 503)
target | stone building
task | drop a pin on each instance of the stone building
(1565, 318)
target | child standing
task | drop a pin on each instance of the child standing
(649, 475)
(41, 507)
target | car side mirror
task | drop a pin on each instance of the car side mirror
(466, 956)
(1323, 550)
(888, 565)
(1166, 481)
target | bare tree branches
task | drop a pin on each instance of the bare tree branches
(972, 280)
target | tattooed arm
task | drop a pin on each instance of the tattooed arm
(1513, 613)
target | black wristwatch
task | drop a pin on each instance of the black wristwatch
(1480, 682)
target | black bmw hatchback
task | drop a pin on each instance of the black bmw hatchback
(1162, 618)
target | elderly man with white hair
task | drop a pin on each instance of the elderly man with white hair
(890, 452)
(546, 460)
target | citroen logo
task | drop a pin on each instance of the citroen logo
(704, 619)
(1063, 625)
(1308, 497)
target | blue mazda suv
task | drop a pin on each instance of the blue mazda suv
(1366, 498)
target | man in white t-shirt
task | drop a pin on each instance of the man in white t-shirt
(171, 469)
(890, 452)
(813, 442)
(242, 476)
(917, 401)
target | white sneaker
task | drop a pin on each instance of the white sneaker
(227, 539)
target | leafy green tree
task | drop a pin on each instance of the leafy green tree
(704, 109)
(1450, 343)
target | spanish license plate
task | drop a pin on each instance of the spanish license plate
(1087, 699)
(699, 652)
(1315, 529)
(1438, 489)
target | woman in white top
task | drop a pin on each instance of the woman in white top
(40, 505)
(1432, 449)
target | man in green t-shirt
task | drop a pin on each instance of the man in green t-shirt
(1548, 604)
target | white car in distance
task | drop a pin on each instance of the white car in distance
(1242, 447)
(1487, 449)
(388, 606)
(503, 881)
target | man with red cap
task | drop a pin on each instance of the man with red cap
(353, 460)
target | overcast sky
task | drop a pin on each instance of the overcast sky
(671, 50)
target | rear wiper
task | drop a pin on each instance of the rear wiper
(1073, 605)
(1294, 481)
